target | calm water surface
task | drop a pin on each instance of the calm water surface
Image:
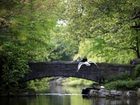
(67, 96)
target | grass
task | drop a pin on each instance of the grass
(74, 82)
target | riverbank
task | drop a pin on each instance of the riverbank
(74, 83)
(104, 93)
(101, 93)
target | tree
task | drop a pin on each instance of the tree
(107, 25)
(24, 35)
(65, 47)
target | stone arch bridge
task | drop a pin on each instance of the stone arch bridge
(69, 69)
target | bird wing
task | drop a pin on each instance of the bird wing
(87, 63)
(94, 63)
(79, 66)
(82, 63)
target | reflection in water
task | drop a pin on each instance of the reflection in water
(103, 101)
(61, 97)
(65, 100)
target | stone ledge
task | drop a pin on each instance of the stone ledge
(104, 93)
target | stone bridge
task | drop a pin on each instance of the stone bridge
(69, 69)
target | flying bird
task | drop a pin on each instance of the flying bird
(84, 61)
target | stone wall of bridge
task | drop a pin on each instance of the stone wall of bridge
(69, 69)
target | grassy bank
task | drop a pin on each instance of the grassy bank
(75, 82)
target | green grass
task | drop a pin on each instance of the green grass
(74, 82)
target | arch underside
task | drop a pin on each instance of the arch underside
(76, 76)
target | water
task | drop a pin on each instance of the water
(64, 100)
(64, 96)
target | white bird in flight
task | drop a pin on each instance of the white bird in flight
(85, 62)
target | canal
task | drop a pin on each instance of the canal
(64, 96)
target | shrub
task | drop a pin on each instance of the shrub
(123, 85)
(39, 85)
(136, 71)
(124, 76)
(14, 65)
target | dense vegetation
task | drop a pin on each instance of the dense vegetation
(47, 30)
(125, 81)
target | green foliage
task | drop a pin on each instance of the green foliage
(64, 47)
(107, 26)
(74, 82)
(124, 76)
(39, 85)
(24, 36)
(123, 85)
(14, 59)
(125, 81)
(136, 71)
(99, 29)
